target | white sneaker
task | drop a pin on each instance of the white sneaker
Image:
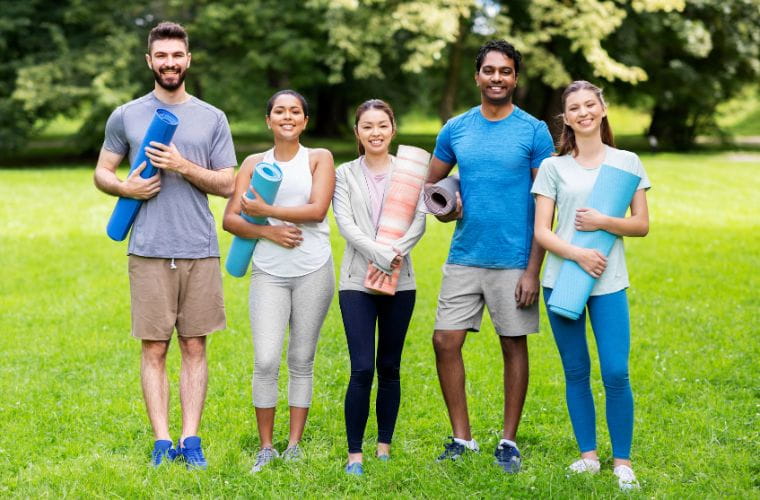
(626, 478)
(585, 465)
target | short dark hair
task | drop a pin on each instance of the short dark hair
(302, 100)
(502, 46)
(166, 30)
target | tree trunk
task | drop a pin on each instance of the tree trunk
(331, 112)
(451, 87)
(674, 128)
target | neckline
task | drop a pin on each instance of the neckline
(597, 167)
(500, 120)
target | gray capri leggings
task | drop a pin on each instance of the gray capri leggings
(274, 302)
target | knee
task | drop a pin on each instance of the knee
(154, 352)
(388, 371)
(266, 368)
(615, 378)
(445, 346)
(193, 348)
(578, 373)
(362, 376)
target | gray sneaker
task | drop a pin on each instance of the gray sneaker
(264, 457)
(292, 453)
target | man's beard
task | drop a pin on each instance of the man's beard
(500, 101)
(171, 87)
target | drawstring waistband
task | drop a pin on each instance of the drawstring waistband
(172, 265)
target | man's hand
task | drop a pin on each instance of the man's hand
(166, 157)
(456, 214)
(526, 291)
(138, 188)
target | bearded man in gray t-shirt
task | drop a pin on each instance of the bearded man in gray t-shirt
(174, 272)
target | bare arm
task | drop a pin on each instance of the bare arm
(133, 186)
(438, 170)
(322, 188)
(526, 291)
(588, 219)
(286, 236)
(218, 182)
(592, 261)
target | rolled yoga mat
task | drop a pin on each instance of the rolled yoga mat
(612, 194)
(266, 181)
(161, 129)
(400, 206)
(441, 197)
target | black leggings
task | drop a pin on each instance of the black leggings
(392, 314)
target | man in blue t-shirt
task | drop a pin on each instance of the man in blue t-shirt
(493, 260)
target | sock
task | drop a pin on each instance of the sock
(471, 444)
(510, 443)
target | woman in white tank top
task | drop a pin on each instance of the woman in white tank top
(292, 278)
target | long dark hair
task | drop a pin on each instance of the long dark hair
(366, 106)
(567, 142)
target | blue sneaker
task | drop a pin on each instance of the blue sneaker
(454, 450)
(162, 449)
(508, 458)
(355, 469)
(192, 453)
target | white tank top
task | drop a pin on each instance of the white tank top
(314, 250)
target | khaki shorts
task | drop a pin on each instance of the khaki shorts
(464, 292)
(189, 297)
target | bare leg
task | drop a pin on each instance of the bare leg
(515, 353)
(383, 449)
(193, 381)
(155, 386)
(448, 360)
(297, 424)
(265, 424)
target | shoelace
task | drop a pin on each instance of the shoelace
(264, 455)
(505, 452)
(194, 454)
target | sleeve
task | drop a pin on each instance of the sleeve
(543, 145)
(443, 150)
(380, 255)
(546, 180)
(116, 137)
(222, 151)
(638, 168)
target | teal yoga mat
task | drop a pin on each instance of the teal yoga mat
(161, 129)
(611, 195)
(266, 181)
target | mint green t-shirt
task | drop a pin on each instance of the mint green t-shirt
(569, 184)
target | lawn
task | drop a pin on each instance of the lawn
(72, 421)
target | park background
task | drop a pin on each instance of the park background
(681, 79)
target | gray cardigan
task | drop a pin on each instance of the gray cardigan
(352, 210)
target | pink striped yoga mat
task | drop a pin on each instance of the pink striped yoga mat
(400, 206)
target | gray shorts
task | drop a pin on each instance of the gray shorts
(464, 292)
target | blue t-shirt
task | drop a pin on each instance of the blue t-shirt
(495, 159)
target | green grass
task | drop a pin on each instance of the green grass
(72, 422)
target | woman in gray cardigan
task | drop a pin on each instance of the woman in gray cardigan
(360, 189)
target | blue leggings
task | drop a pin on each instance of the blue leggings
(610, 323)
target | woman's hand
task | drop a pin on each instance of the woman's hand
(285, 236)
(377, 277)
(588, 219)
(256, 207)
(592, 261)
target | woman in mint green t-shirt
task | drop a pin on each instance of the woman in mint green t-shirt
(564, 182)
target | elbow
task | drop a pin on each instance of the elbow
(644, 230)
(227, 223)
(228, 190)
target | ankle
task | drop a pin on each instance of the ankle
(355, 457)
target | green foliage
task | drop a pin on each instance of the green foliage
(73, 424)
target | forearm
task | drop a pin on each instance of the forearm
(217, 182)
(549, 240)
(635, 225)
(311, 212)
(235, 224)
(107, 181)
(536, 258)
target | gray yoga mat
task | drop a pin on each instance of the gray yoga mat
(441, 197)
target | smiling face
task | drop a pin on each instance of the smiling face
(375, 131)
(169, 60)
(287, 118)
(496, 78)
(584, 113)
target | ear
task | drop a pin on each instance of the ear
(269, 123)
(148, 61)
(564, 120)
(189, 59)
(305, 121)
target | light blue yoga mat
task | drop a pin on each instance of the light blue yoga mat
(161, 129)
(266, 181)
(612, 194)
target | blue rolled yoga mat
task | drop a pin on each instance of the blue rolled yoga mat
(612, 194)
(161, 129)
(266, 181)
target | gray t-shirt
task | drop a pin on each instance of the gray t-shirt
(565, 181)
(177, 223)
